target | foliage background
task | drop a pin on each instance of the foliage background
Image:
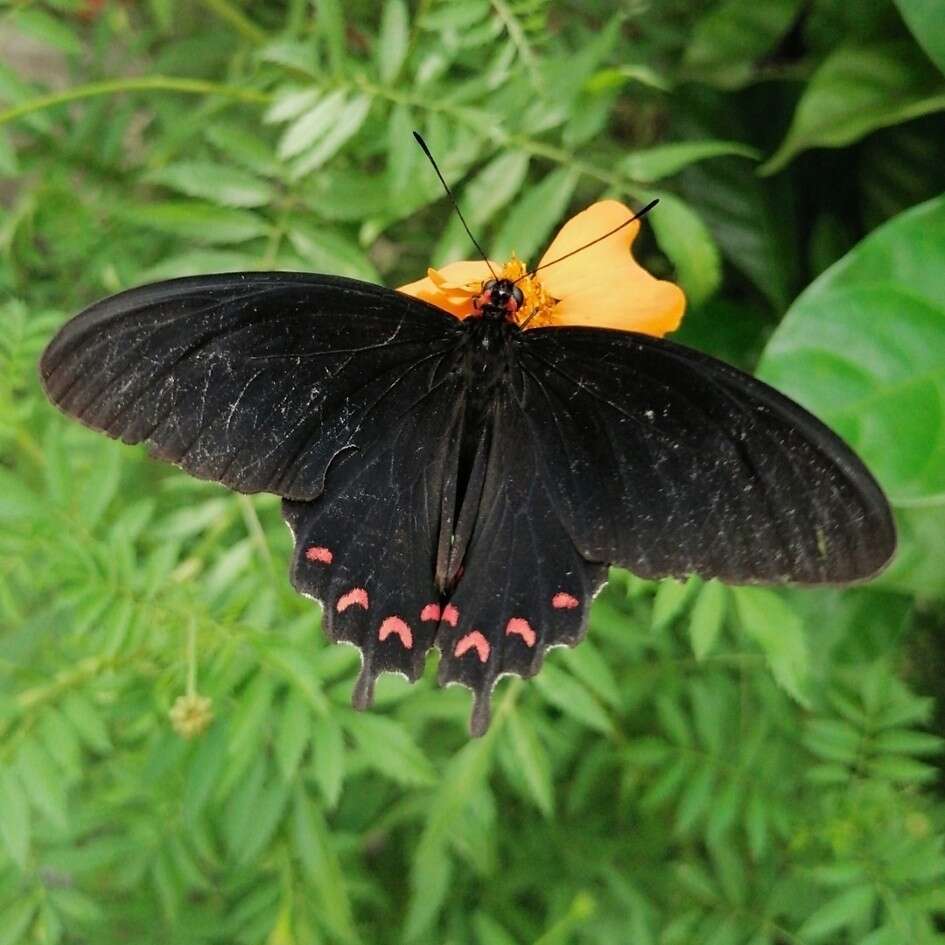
(713, 765)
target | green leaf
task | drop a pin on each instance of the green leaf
(15, 821)
(665, 160)
(863, 348)
(84, 716)
(325, 250)
(292, 733)
(525, 231)
(767, 619)
(849, 908)
(924, 19)
(387, 747)
(563, 691)
(344, 126)
(671, 598)
(15, 920)
(393, 40)
(218, 183)
(46, 28)
(312, 124)
(198, 221)
(532, 761)
(249, 721)
(311, 841)
(44, 786)
(706, 618)
(733, 35)
(686, 240)
(855, 91)
(204, 772)
(328, 764)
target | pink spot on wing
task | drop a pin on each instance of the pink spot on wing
(473, 641)
(521, 627)
(562, 601)
(398, 626)
(357, 595)
(317, 553)
(450, 615)
(431, 612)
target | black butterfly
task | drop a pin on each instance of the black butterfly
(467, 483)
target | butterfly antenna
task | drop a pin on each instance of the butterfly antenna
(459, 213)
(616, 229)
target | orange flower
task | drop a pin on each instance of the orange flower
(601, 286)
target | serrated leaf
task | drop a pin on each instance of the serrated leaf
(312, 124)
(218, 183)
(345, 125)
(768, 620)
(706, 618)
(393, 40)
(526, 230)
(563, 691)
(387, 747)
(532, 761)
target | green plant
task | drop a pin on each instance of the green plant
(714, 765)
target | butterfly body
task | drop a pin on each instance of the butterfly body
(465, 483)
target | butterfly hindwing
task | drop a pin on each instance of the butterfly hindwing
(255, 380)
(523, 586)
(366, 548)
(669, 462)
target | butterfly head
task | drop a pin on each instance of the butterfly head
(499, 299)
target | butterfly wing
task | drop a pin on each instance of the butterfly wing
(669, 462)
(523, 586)
(256, 380)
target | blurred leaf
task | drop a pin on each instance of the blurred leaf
(733, 34)
(855, 91)
(665, 160)
(864, 349)
(707, 617)
(388, 748)
(571, 697)
(342, 127)
(15, 822)
(767, 619)
(197, 221)
(924, 19)
(329, 760)
(687, 241)
(393, 39)
(326, 251)
(532, 761)
(526, 230)
(847, 909)
(219, 183)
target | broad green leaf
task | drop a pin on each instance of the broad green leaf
(16, 919)
(198, 221)
(393, 39)
(863, 348)
(767, 619)
(665, 160)
(733, 35)
(924, 19)
(15, 819)
(291, 103)
(855, 91)
(218, 183)
(251, 718)
(204, 772)
(531, 760)
(526, 230)
(43, 783)
(706, 618)
(42, 26)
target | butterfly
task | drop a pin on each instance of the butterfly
(460, 461)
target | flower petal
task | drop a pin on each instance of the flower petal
(453, 287)
(603, 285)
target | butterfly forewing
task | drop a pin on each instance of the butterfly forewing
(256, 380)
(669, 462)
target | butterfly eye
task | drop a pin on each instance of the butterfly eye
(518, 296)
(488, 285)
